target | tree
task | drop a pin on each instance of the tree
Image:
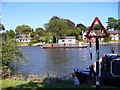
(70, 23)
(76, 32)
(10, 34)
(97, 27)
(39, 31)
(58, 28)
(2, 27)
(112, 23)
(11, 55)
(23, 29)
(80, 25)
(54, 17)
(107, 39)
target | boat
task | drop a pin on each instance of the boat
(37, 44)
(109, 71)
(67, 45)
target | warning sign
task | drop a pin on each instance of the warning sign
(94, 33)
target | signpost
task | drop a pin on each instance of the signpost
(104, 35)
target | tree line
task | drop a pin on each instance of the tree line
(58, 27)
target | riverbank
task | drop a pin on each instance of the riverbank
(86, 43)
(21, 85)
(104, 43)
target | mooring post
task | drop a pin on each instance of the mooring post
(97, 64)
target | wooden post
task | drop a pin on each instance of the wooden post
(97, 64)
(90, 50)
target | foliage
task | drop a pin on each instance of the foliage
(10, 34)
(54, 17)
(107, 39)
(11, 54)
(113, 24)
(58, 28)
(2, 27)
(23, 29)
(39, 31)
(97, 27)
(77, 31)
(70, 23)
(79, 25)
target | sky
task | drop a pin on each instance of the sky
(36, 14)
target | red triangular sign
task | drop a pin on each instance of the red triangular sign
(97, 36)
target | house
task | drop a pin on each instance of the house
(93, 33)
(115, 34)
(23, 37)
(66, 40)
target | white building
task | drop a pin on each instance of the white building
(23, 37)
(115, 35)
(66, 40)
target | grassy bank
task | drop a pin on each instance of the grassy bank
(14, 84)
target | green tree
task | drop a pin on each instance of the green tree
(107, 39)
(112, 23)
(97, 27)
(11, 55)
(2, 27)
(58, 28)
(78, 30)
(23, 29)
(10, 34)
(39, 31)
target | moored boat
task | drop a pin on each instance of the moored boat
(109, 71)
(68, 45)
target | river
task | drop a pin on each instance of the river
(61, 61)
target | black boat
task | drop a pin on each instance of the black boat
(109, 72)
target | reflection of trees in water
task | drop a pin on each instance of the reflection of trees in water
(58, 61)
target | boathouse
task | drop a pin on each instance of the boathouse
(66, 40)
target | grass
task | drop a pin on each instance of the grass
(12, 84)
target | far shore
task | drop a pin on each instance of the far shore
(104, 43)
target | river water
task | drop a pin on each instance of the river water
(61, 61)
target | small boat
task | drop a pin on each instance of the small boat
(37, 44)
(68, 45)
(109, 70)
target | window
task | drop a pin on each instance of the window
(26, 36)
(70, 40)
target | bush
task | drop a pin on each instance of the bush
(107, 39)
